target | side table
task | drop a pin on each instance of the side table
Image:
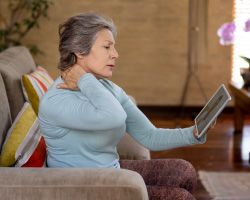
(242, 104)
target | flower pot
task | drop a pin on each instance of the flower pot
(245, 73)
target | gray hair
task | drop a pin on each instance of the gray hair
(78, 34)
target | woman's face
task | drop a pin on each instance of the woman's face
(101, 59)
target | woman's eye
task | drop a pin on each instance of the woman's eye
(107, 47)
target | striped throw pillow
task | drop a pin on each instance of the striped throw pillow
(24, 146)
(35, 85)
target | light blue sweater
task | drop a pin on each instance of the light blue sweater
(82, 128)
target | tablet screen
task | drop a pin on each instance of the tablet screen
(211, 110)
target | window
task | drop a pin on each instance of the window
(242, 39)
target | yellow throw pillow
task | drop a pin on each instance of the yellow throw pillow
(24, 145)
(35, 85)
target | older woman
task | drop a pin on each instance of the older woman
(84, 115)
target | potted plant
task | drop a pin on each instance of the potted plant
(21, 17)
(226, 33)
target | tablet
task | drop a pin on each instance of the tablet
(211, 110)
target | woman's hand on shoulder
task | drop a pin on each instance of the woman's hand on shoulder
(70, 77)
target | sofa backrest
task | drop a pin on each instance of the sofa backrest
(5, 118)
(14, 62)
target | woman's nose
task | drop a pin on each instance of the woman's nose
(114, 53)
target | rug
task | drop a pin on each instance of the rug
(226, 185)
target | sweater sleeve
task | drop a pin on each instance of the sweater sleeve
(144, 132)
(98, 110)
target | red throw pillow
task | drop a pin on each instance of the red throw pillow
(38, 157)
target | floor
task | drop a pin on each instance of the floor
(223, 151)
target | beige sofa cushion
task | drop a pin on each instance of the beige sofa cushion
(71, 183)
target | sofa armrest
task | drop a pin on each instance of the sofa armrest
(129, 149)
(71, 183)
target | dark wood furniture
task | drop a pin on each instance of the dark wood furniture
(242, 104)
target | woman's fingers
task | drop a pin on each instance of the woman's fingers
(62, 86)
(65, 86)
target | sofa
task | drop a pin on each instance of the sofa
(62, 183)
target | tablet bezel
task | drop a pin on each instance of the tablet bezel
(216, 114)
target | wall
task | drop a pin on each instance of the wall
(153, 46)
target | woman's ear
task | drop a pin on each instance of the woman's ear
(80, 56)
(80, 59)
